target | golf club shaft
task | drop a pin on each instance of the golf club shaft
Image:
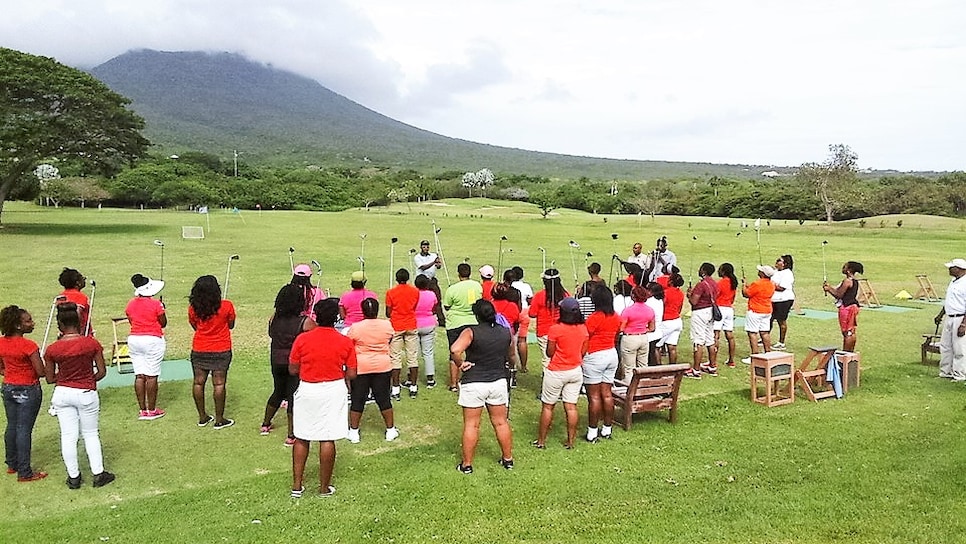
(90, 310)
(50, 318)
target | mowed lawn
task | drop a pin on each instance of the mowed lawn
(884, 464)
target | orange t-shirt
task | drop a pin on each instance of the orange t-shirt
(673, 302)
(213, 335)
(545, 316)
(602, 330)
(371, 337)
(726, 295)
(569, 339)
(401, 300)
(759, 295)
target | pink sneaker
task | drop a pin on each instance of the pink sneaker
(143, 415)
(265, 429)
(151, 415)
(290, 441)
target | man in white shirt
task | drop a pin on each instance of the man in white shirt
(952, 343)
(426, 263)
(662, 258)
(637, 257)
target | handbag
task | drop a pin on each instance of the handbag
(716, 313)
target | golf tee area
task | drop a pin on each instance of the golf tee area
(882, 464)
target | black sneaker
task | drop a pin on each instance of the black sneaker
(102, 479)
(507, 463)
(513, 380)
(406, 383)
(468, 469)
(430, 382)
(74, 483)
(395, 397)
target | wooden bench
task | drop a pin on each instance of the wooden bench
(652, 389)
(930, 344)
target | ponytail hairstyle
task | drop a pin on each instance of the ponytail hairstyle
(727, 270)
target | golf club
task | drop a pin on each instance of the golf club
(160, 244)
(392, 254)
(741, 263)
(90, 309)
(362, 264)
(613, 245)
(824, 266)
(439, 251)
(231, 258)
(318, 270)
(573, 264)
(362, 253)
(758, 237)
(499, 259)
(544, 253)
(691, 260)
(50, 319)
(291, 259)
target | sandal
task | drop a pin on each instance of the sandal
(454, 389)
(328, 492)
(538, 445)
(297, 493)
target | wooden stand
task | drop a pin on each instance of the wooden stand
(851, 369)
(652, 389)
(811, 373)
(930, 344)
(926, 291)
(772, 369)
(867, 296)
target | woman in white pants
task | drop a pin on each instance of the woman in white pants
(67, 363)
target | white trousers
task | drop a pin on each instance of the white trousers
(952, 350)
(77, 412)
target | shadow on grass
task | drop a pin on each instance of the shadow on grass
(61, 229)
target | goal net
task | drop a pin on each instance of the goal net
(193, 233)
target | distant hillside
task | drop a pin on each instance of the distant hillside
(223, 102)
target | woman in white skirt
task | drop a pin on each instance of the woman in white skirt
(323, 359)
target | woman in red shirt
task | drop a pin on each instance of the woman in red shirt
(212, 320)
(73, 282)
(22, 368)
(727, 287)
(323, 359)
(146, 343)
(566, 347)
(544, 307)
(67, 362)
(600, 364)
(672, 325)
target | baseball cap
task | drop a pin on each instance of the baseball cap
(569, 304)
(766, 270)
(486, 271)
(303, 270)
(424, 243)
(958, 263)
(358, 275)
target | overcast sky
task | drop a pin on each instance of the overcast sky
(725, 81)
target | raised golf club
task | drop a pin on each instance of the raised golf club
(741, 263)
(439, 250)
(291, 259)
(318, 270)
(691, 260)
(824, 266)
(362, 263)
(90, 309)
(50, 319)
(613, 245)
(160, 244)
(758, 237)
(573, 263)
(499, 259)
(544, 253)
(231, 258)
(392, 254)
(362, 253)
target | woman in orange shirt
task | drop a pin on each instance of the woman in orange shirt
(212, 320)
(372, 337)
(566, 347)
(727, 287)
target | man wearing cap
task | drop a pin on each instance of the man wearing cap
(659, 261)
(426, 263)
(458, 303)
(952, 342)
(758, 317)
(486, 276)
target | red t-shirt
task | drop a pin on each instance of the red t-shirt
(510, 310)
(569, 339)
(673, 302)
(74, 360)
(212, 335)
(602, 329)
(726, 294)
(664, 281)
(401, 300)
(143, 314)
(322, 354)
(83, 307)
(488, 290)
(546, 317)
(15, 352)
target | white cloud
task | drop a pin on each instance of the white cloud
(710, 81)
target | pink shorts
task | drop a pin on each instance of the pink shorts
(848, 317)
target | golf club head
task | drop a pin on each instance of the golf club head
(737, 234)
(363, 235)
(574, 245)
(317, 265)
(541, 250)
(553, 264)
(93, 283)
(438, 229)
(466, 259)
(509, 250)
(589, 254)
(695, 238)
(291, 250)
(393, 240)
(159, 243)
(613, 236)
(234, 257)
(824, 242)
(503, 238)
(412, 251)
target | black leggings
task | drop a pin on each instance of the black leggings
(378, 383)
(285, 386)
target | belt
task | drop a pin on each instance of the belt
(955, 315)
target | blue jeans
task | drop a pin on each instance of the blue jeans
(22, 404)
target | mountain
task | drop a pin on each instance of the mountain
(221, 102)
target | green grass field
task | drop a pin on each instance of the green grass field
(884, 464)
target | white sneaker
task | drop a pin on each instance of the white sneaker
(746, 360)
(392, 433)
(778, 346)
(353, 435)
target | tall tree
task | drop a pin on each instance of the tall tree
(51, 111)
(832, 180)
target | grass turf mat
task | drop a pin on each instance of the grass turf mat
(171, 370)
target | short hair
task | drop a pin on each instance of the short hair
(370, 308)
(326, 312)
(500, 291)
(67, 316)
(70, 278)
(509, 276)
(484, 311)
(290, 300)
(517, 272)
(402, 275)
(464, 270)
(639, 294)
(357, 284)
(10, 318)
(421, 282)
(594, 268)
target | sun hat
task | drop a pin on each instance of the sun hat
(486, 271)
(303, 270)
(958, 263)
(145, 286)
(569, 304)
(766, 270)
(358, 275)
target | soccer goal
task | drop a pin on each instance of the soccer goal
(192, 233)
